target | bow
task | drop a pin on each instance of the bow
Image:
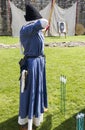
(50, 16)
(52, 8)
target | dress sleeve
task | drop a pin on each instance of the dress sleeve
(44, 23)
(34, 27)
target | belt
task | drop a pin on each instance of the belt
(26, 56)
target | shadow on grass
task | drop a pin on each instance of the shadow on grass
(47, 124)
(69, 124)
(10, 124)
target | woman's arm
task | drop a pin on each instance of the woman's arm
(34, 27)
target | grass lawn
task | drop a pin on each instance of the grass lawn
(69, 61)
(15, 40)
(67, 39)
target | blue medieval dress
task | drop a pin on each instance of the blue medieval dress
(34, 98)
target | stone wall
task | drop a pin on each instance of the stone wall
(39, 4)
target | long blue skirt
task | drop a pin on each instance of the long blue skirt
(34, 98)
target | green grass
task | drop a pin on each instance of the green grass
(69, 61)
(66, 61)
(67, 39)
(15, 40)
(9, 40)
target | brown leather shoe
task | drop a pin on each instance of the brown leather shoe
(24, 127)
(34, 127)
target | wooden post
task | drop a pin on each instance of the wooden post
(8, 17)
(77, 12)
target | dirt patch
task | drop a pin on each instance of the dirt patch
(55, 44)
(9, 46)
(65, 44)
